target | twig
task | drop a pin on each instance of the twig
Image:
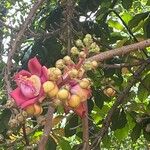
(25, 134)
(85, 127)
(47, 128)
(19, 37)
(69, 11)
(121, 65)
(120, 100)
(120, 51)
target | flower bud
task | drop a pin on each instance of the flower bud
(81, 72)
(24, 113)
(9, 104)
(63, 94)
(54, 73)
(13, 123)
(73, 73)
(87, 41)
(84, 83)
(74, 51)
(20, 118)
(53, 92)
(60, 64)
(30, 110)
(67, 59)
(79, 43)
(48, 86)
(97, 49)
(88, 65)
(93, 45)
(88, 36)
(57, 72)
(74, 101)
(38, 110)
(82, 54)
(94, 64)
(110, 92)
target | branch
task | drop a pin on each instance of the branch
(122, 65)
(120, 51)
(85, 126)
(121, 98)
(47, 128)
(25, 134)
(19, 37)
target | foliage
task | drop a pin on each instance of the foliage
(113, 24)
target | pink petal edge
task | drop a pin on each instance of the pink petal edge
(34, 66)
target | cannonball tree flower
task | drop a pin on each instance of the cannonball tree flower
(84, 94)
(30, 90)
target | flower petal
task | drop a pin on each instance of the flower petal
(18, 96)
(22, 73)
(41, 95)
(44, 74)
(27, 90)
(29, 102)
(36, 84)
(80, 110)
(34, 66)
(83, 93)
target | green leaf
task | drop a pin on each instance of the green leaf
(70, 126)
(122, 133)
(4, 119)
(148, 2)
(51, 144)
(64, 144)
(137, 19)
(126, 16)
(142, 93)
(115, 24)
(136, 132)
(90, 105)
(131, 122)
(106, 141)
(99, 98)
(127, 3)
(144, 88)
(146, 135)
(118, 119)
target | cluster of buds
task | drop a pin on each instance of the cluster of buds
(18, 119)
(86, 43)
(64, 84)
(67, 86)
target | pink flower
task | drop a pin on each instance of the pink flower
(30, 90)
(83, 93)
